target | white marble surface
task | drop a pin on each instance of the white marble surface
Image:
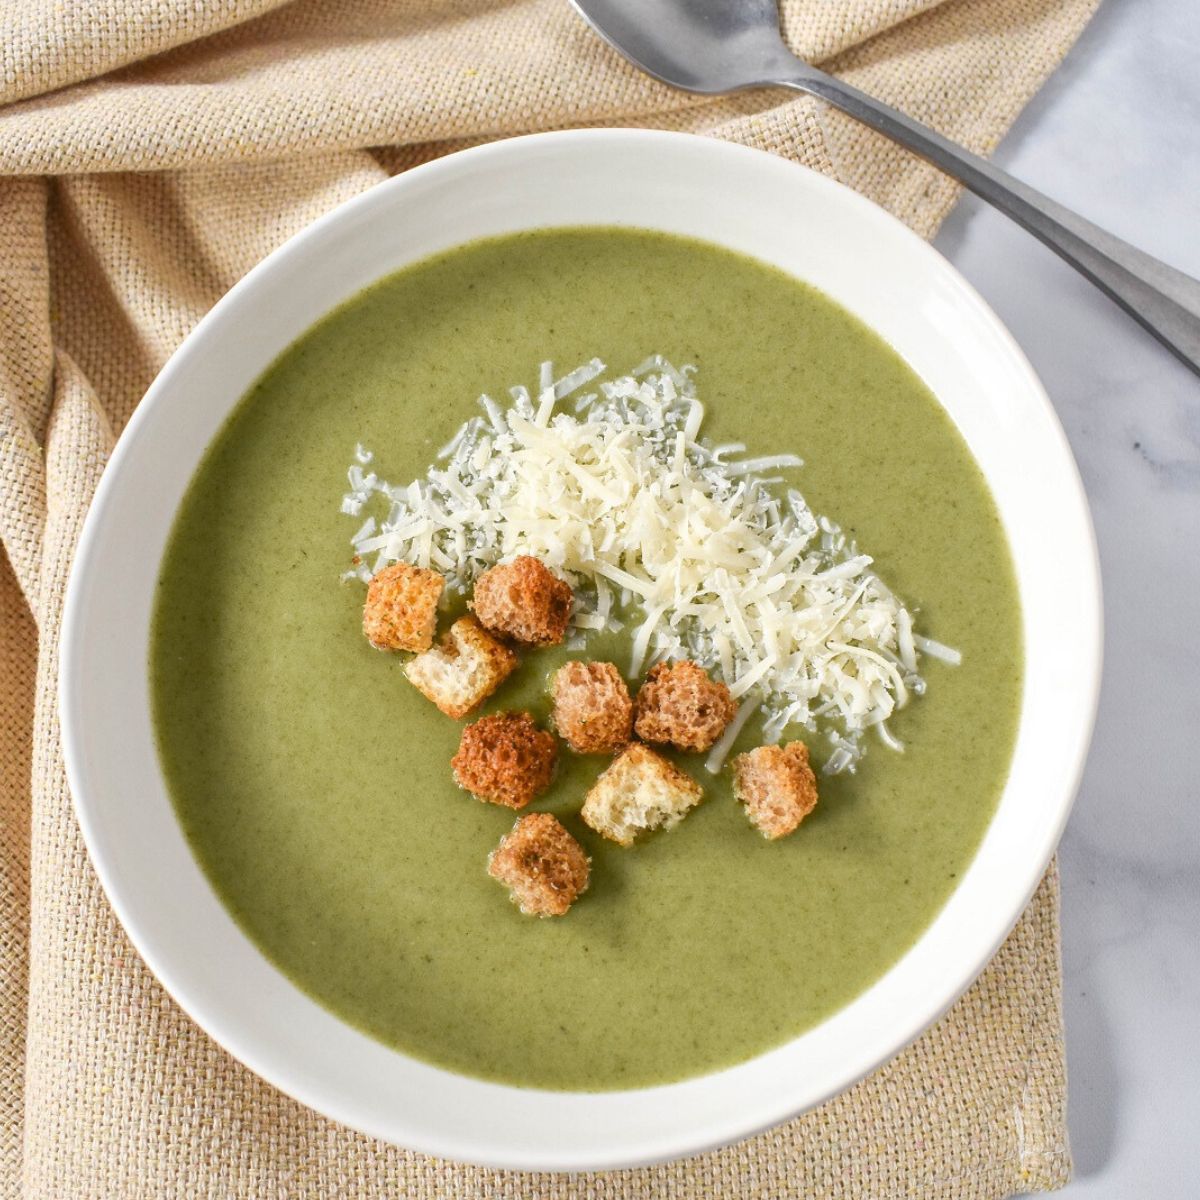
(1116, 135)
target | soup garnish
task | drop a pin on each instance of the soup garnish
(708, 557)
(624, 493)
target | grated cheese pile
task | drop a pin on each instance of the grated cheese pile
(706, 555)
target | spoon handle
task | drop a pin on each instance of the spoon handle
(1164, 300)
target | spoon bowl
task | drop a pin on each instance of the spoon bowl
(705, 48)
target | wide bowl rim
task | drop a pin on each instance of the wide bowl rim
(731, 1126)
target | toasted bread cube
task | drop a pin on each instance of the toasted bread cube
(462, 671)
(541, 864)
(592, 708)
(639, 791)
(505, 759)
(401, 608)
(777, 787)
(681, 706)
(525, 601)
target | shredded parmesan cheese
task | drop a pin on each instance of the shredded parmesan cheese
(650, 522)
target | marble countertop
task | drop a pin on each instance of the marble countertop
(1116, 135)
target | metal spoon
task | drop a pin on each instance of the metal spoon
(713, 46)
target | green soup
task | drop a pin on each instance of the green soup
(313, 780)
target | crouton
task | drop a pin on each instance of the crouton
(463, 670)
(592, 708)
(777, 787)
(524, 601)
(680, 705)
(505, 759)
(641, 790)
(401, 608)
(541, 864)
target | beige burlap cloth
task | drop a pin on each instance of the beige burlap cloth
(151, 151)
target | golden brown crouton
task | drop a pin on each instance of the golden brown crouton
(505, 759)
(777, 786)
(680, 705)
(541, 864)
(641, 790)
(401, 608)
(525, 601)
(461, 672)
(592, 708)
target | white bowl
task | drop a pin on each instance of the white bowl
(750, 202)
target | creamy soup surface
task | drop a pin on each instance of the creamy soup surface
(313, 781)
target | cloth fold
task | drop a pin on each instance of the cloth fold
(151, 151)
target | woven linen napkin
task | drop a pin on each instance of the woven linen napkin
(151, 151)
